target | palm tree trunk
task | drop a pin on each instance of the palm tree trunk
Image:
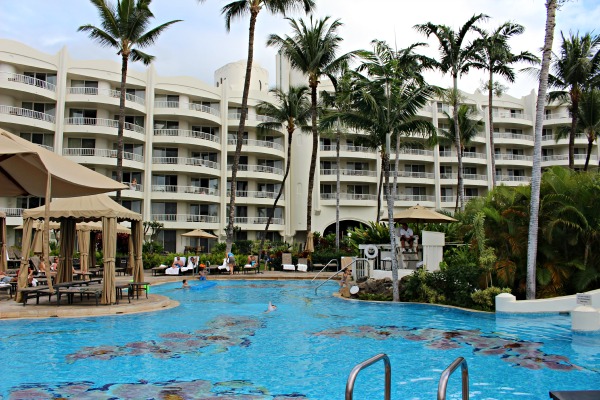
(491, 120)
(240, 132)
(573, 132)
(121, 125)
(461, 189)
(589, 150)
(536, 172)
(313, 157)
(337, 189)
(390, 207)
(380, 189)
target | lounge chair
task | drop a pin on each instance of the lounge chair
(302, 265)
(224, 268)
(189, 267)
(253, 266)
(175, 271)
(286, 262)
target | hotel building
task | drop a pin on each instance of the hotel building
(180, 137)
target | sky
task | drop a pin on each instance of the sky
(200, 44)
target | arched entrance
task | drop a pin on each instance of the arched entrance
(344, 227)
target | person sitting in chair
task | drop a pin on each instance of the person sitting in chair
(406, 237)
(177, 263)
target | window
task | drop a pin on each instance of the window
(269, 187)
(83, 116)
(516, 113)
(516, 172)
(328, 165)
(164, 183)
(546, 132)
(131, 148)
(445, 172)
(358, 189)
(86, 87)
(358, 166)
(416, 191)
(263, 212)
(44, 139)
(204, 209)
(133, 205)
(442, 107)
(243, 161)
(30, 202)
(168, 238)
(81, 143)
(41, 76)
(469, 170)
(166, 124)
(241, 212)
(515, 152)
(514, 131)
(44, 108)
(232, 137)
(132, 119)
(414, 168)
(160, 208)
(211, 183)
(547, 152)
(164, 152)
(471, 192)
(327, 189)
(211, 130)
(446, 193)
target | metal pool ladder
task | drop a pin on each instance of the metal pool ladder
(460, 361)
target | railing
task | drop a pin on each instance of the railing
(255, 220)
(470, 154)
(109, 123)
(352, 149)
(448, 199)
(259, 194)
(136, 187)
(557, 157)
(557, 116)
(417, 152)
(198, 162)
(24, 112)
(187, 133)
(518, 136)
(49, 148)
(258, 143)
(409, 174)
(189, 106)
(28, 80)
(518, 115)
(513, 157)
(368, 363)
(185, 189)
(447, 154)
(443, 384)
(449, 176)
(333, 261)
(93, 152)
(12, 212)
(413, 197)
(185, 218)
(250, 117)
(512, 178)
(349, 172)
(258, 168)
(546, 138)
(475, 177)
(91, 91)
(349, 196)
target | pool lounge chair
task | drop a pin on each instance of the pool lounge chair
(253, 266)
(302, 265)
(189, 267)
(175, 271)
(286, 262)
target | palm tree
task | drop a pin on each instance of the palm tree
(536, 170)
(456, 57)
(496, 58)
(588, 119)
(239, 9)
(573, 70)
(312, 50)
(124, 28)
(291, 112)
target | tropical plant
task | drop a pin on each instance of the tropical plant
(496, 58)
(588, 119)
(312, 49)
(240, 9)
(536, 170)
(456, 57)
(573, 72)
(291, 112)
(124, 27)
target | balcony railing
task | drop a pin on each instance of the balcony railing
(556, 157)
(449, 176)
(187, 133)
(259, 143)
(470, 154)
(501, 114)
(417, 152)
(351, 149)
(512, 178)
(557, 116)
(256, 220)
(508, 135)
(413, 197)
(513, 157)
(91, 91)
(198, 162)
(250, 117)
(109, 123)
(136, 187)
(185, 189)
(93, 152)
(24, 112)
(12, 212)
(258, 168)
(448, 199)
(475, 177)
(349, 172)
(28, 80)
(349, 196)
(189, 106)
(185, 218)
(409, 174)
(256, 194)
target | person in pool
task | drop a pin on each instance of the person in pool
(271, 307)
(185, 284)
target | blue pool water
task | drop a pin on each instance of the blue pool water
(220, 344)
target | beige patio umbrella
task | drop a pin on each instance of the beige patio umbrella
(3, 253)
(421, 214)
(199, 233)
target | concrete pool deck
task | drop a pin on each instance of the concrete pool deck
(10, 309)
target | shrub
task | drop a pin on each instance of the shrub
(484, 299)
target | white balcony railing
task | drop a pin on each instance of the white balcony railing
(91, 91)
(185, 189)
(93, 152)
(12, 212)
(557, 116)
(475, 177)
(508, 135)
(109, 123)
(187, 134)
(259, 143)
(409, 174)
(413, 197)
(470, 154)
(512, 178)
(256, 194)
(28, 80)
(258, 168)
(417, 152)
(233, 115)
(351, 149)
(188, 106)
(449, 176)
(513, 157)
(349, 196)
(198, 162)
(185, 218)
(519, 115)
(24, 112)
(349, 172)
(255, 220)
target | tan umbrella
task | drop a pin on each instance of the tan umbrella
(421, 214)
(109, 248)
(3, 253)
(25, 246)
(310, 245)
(96, 226)
(199, 233)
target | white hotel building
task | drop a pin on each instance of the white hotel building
(180, 140)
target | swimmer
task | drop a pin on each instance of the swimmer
(185, 284)
(271, 307)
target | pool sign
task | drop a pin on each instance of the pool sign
(584, 299)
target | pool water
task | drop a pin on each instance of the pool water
(220, 344)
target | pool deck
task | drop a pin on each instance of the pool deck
(9, 309)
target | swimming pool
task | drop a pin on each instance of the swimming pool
(221, 344)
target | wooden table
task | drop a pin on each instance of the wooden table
(135, 288)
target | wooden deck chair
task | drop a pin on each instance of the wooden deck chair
(286, 262)
(302, 265)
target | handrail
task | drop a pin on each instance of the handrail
(460, 361)
(368, 363)
(341, 270)
(324, 268)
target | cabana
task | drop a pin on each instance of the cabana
(70, 211)
(3, 252)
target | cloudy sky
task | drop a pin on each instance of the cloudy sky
(200, 44)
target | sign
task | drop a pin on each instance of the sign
(584, 299)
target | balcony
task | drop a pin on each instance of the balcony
(255, 194)
(513, 157)
(349, 172)
(26, 113)
(512, 178)
(12, 212)
(184, 107)
(475, 177)
(109, 93)
(257, 168)
(28, 80)
(551, 116)
(349, 196)
(234, 115)
(449, 176)
(187, 134)
(474, 155)
(417, 152)
(510, 115)
(350, 149)
(256, 221)
(196, 162)
(257, 143)
(185, 189)
(513, 136)
(413, 197)
(416, 175)
(185, 218)
(108, 123)
(87, 152)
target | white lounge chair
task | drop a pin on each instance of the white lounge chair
(175, 271)
(286, 262)
(302, 265)
(224, 268)
(189, 267)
